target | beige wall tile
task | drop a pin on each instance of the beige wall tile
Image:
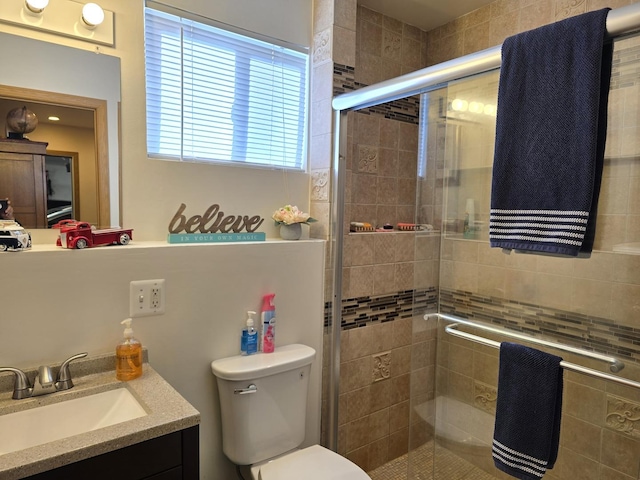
(400, 389)
(626, 268)
(361, 281)
(591, 297)
(378, 453)
(584, 403)
(620, 453)
(344, 51)
(554, 290)
(404, 275)
(378, 425)
(405, 247)
(345, 13)
(392, 24)
(399, 443)
(358, 404)
(626, 304)
(380, 395)
(536, 14)
(362, 248)
(581, 437)
(476, 38)
(491, 281)
(384, 280)
(569, 8)
(465, 276)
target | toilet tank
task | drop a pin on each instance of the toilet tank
(268, 420)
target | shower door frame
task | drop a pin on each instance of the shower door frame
(620, 21)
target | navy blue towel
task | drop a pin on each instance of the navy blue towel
(528, 411)
(550, 137)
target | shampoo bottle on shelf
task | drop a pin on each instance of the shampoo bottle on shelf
(268, 332)
(128, 355)
(249, 342)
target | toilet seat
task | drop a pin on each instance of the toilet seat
(312, 463)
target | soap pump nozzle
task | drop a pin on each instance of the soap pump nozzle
(128, 331)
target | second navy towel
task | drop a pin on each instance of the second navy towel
(550, 136)
(528, 411)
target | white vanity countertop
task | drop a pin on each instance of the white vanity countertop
(167, 412)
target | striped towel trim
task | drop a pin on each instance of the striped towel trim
(550, 226)
(517, 460)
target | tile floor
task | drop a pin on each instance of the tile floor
(419, 465)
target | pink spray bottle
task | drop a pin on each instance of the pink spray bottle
(268, 333)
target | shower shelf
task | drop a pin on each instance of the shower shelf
(615, 365)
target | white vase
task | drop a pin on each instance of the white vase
(291, 232)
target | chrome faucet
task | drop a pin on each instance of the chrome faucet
(43, 384)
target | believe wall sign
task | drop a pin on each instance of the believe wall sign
(214, 226)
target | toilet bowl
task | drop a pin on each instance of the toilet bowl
(263, 405)
(311, 463)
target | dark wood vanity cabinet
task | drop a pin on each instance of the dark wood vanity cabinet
(23, 180)
(174, 456)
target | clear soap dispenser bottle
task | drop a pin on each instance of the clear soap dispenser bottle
(128, 355)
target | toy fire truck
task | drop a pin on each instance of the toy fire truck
(83, 235)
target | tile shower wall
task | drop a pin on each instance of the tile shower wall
(589, 302)
(600, 431)
(389, 279)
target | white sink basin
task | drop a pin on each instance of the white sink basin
(39, 425)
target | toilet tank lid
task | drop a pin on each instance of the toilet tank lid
(247, 367)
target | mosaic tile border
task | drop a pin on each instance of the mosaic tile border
(625, 67)
(584, 331)
(362, 311)
(404, 110)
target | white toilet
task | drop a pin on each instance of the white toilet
(263, 403)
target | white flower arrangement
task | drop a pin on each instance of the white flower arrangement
(290, 214)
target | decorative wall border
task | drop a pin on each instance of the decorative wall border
(585, 331)
(362, 311)
(404, 110)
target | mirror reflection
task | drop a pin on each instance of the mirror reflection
(68, 167)
(70, 164)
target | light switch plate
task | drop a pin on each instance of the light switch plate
(146, 297)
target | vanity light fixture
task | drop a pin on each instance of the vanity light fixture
(92, 15)
(36, 6)
(70, 18)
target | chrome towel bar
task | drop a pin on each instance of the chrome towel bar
(614, 364)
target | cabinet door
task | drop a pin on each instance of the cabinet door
(23, 181)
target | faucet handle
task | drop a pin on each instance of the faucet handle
(63, 381)
(22, 387)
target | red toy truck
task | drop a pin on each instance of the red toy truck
(82, 235)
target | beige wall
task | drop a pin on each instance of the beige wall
(152, 191)
(82, 142)
(205, 307)
(61, 302)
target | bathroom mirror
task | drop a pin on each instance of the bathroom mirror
(87, 86)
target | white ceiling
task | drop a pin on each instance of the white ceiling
(425, 14)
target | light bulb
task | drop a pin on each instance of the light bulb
(92, 15)
(489, 109)
(476, 107)
(36, 6)
(460, 105)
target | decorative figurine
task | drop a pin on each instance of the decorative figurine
(13, 237)
(74, 234)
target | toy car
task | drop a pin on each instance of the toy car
(13, 237)
(82, 235)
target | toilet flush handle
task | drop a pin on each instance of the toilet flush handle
(245, 391)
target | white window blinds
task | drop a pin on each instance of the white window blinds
(214, 95)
